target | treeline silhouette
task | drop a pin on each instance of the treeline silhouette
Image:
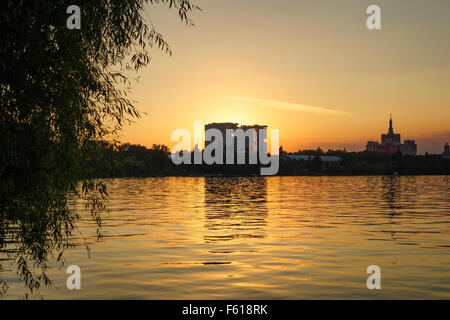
(365, 163)
(129, 160)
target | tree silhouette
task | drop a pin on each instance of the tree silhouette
(59, 90)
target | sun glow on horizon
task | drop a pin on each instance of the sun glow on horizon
(331, 89)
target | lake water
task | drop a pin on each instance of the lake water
(263, 238)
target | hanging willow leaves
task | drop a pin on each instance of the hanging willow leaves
(60, 90)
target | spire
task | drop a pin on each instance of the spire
(391, 130)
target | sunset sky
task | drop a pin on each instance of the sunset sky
(309, 68)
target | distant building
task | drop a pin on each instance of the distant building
(224, 126)
(409, 147)
(446, 153)
(372, 146)
(391, 143)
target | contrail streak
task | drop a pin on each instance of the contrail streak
(288, 105)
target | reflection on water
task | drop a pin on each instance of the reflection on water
(263, 238)
(391, 192)
(235, 208)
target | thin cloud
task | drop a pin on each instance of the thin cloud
(288, 105)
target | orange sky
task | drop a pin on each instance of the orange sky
(309, 68)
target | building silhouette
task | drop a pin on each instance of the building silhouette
(254, 139)
(446, 153)
(391, 143)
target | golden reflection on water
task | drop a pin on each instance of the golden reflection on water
(265, 238)
(235, 208)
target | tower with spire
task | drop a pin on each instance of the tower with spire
(391, 138)
(391, 130)
(391, 143)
